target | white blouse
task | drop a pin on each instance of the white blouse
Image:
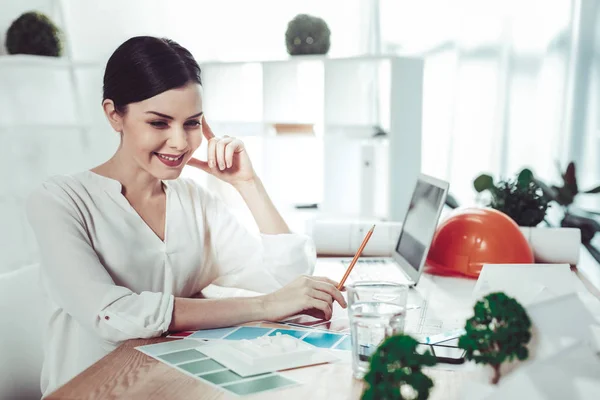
(108, 277)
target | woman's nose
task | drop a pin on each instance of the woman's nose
(178, 139)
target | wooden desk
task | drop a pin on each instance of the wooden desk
(129, 374)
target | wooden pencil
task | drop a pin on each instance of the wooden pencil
(356, 257)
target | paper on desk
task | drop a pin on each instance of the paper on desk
(596, 334)
(473, 390)
(563, 317)
(585, 387)
(573, 373)
(527, 283)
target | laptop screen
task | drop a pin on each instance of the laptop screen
(420, 222)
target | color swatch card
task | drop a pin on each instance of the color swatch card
(187, 356)
(317, 338)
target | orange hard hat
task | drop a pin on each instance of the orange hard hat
(471, 237)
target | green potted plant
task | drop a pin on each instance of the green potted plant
(395, 371)
(522, 198)
(498, 331)
(575, 218)
(526, 200)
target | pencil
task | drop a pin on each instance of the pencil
(356, 257)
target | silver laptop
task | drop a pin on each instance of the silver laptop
(408, 258)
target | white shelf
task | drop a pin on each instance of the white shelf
(25, 60)
(238, 128)
(4, 127)
(305, 58)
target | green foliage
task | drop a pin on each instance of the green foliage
(498, 331)
(34, 33)
(306, 34)
(395, 372)
(521, 199)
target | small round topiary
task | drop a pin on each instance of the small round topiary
(34, 33)
(307, 35)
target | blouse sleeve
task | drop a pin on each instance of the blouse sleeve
(257, 262)
(76, 280)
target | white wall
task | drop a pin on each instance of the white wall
(42, 112)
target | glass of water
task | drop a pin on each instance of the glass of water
(376, 310)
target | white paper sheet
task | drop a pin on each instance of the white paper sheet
(596, 335)
(559, 323)
(527, 283)
(474, 390)
(573, 373)
(564, 316)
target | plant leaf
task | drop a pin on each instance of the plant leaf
(483, 182)
(570, 178)
(525, 176)
(594, 190)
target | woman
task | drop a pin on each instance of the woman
(127, 245)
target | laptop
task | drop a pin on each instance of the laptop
(408, 258)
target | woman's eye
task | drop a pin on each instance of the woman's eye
(193, 124)
(159, 124)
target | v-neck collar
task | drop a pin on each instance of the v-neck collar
(113, 184)
(115, 189)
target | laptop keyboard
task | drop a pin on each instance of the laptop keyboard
(366, 269)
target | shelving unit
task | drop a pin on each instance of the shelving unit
(346, 100)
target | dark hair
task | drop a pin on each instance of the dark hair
(145, 66)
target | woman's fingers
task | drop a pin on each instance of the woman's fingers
(216, 152)
(230, 149)
(330, 289)
(320, 305)
(220, 152)
(211, 152)
(203, 165)
(206, 131)
(325, 279)
(334, 283)
(321, 295)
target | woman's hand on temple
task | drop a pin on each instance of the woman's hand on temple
(227, 158)
(306, 295)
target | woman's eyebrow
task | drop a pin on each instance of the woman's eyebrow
(159, 114)
(169, 117)
(196, 115)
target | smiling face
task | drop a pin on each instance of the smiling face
(160, 134)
